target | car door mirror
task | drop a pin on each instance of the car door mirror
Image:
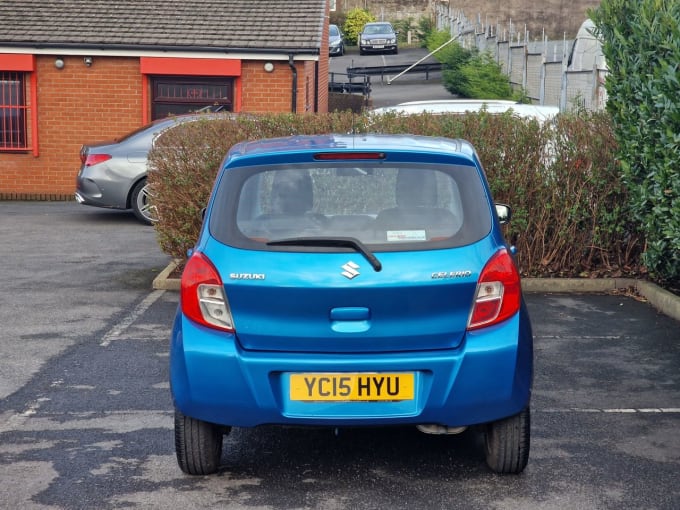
(504, 213)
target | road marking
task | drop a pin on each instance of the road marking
(624, 410)
(119, 328)
(580, 337)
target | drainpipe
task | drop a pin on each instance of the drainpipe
(291, 63)
(316, 87)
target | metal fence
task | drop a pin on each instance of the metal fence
(543, 69)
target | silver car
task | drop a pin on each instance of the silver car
(336, 43)
(113, 173)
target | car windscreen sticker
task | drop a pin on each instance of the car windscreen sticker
(406, 235)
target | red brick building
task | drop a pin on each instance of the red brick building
(78, 71)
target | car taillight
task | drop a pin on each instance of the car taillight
(498, 292)
(94, 159)
(202, 294)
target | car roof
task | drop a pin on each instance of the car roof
(189, 117)
(359, 142)
(539, 112)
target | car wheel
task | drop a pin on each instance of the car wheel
(198, 444)
(507, 443)
(396, 51)
(144, 210)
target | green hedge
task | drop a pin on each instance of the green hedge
(571, 213)
(641, 43)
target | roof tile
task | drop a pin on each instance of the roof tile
(206, 24)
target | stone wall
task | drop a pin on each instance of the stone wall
(389, 10)
(557, 17)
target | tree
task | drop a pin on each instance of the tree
(484, 78)
(355, 21)
(641, 44)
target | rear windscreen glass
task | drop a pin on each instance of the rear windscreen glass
(389, 208)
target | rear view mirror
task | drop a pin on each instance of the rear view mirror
(504, 213)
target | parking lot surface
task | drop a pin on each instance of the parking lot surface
(86, 415)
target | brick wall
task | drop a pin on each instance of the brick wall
(80, 104)
(76, 105)
(264, 92)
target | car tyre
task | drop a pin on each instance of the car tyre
(142, 207)
(507, 443)
(198, 444)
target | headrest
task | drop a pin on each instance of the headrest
(292, 192)
(416, 188)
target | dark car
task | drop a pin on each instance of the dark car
(336, 44)
(113, 173)
(378, 37)
(352, 280)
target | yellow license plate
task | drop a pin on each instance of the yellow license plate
(343, 387)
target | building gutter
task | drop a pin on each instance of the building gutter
(132, 49)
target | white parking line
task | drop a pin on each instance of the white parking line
(120, 327)
(624, 410)
(580, 337)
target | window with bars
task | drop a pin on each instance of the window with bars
(176, 95)
(13, 111)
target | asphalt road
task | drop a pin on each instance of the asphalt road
(86, 414)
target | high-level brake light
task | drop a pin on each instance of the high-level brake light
(344, 156)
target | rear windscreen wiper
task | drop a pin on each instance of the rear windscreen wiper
(344, 242)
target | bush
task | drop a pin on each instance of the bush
(355, 21)
(453, 55)
(426, 27)
(641, 43)
(571, 214)
(484, 78)
(469, 73)
(185, 161)
(402, 26)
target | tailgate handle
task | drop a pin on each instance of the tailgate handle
(350, 313)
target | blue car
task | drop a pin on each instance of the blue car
(352, 280)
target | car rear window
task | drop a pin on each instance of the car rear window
(388, 208)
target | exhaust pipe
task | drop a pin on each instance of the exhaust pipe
(433, 428)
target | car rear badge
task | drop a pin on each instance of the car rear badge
(247, 276)
(350, 270)
(446, 275)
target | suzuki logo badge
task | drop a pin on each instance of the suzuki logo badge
(350, 270)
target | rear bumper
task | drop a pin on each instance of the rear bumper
(487, 378)
(102, 189)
